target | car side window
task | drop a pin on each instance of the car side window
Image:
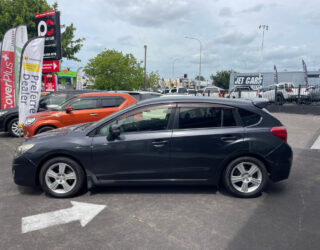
(228, 118)
(248, 118)
(111, 101)
(147, 119)
(84, 103)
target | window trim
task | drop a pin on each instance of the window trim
(87, 98)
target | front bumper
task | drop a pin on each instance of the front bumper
(279, 162)
(24, 172)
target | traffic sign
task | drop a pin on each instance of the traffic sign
(50, 83)
(49, 66)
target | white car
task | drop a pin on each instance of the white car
(243, 92)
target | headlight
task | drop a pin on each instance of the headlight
(3, 112)
(23, 148)
(29, 121)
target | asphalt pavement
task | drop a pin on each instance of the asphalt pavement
(286, 216)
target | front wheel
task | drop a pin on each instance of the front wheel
(245, 177)
(44, 129)
(62, 177)
(13, 128)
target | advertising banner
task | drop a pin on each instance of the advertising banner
(254, 81)
(30, 77)
(50, 83)
(21, 39)
(48, 25)
(7, 70)
(305, 71)
(275, 77)
(50, 66)
(79, 78)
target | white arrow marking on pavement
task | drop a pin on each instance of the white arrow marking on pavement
(84, 212)
(54, 66)
(316, 144)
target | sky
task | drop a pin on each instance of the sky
(228, 30)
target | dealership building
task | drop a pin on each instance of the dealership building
(267, 78)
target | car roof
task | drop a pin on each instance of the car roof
(103, 94)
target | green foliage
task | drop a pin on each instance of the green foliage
(113, 70)
(201, 78)
(16, 12)
(221, 79)
(153, 79)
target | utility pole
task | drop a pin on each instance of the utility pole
(145, 66)
(200, 53)
(263, 27)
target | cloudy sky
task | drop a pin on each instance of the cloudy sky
(229, 32)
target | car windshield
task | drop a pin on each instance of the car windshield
(66, 103)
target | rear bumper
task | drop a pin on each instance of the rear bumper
(24, 172)
(279, 163)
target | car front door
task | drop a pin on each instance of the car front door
(203, 136)
(142, 152)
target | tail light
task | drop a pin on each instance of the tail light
(289, 90)
(280, 132)
(307, 89)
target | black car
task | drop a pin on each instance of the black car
(9, 117)
(169, 140)
(139, 95)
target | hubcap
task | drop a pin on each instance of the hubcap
(15, 128)
(60, 178)
(246, 177)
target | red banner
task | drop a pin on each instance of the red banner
(50, 66)
(50, 83)
(7, 70)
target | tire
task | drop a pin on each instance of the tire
(44, 129)
(13, 128)
(240, 183)
(62, 177)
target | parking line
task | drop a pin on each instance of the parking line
(316, 144)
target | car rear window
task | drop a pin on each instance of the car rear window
(111, 101)
(248, 118)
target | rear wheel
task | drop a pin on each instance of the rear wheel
(62, 177)
(44, 129)
(245, 177)
(13, 127)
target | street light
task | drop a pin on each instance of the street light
(200, 52)
(263, 27)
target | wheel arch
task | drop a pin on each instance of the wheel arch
(7, 122)
(45, 125)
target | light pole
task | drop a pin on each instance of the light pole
(145, 66)
(263, 27)
(173, 66)
(200, 52)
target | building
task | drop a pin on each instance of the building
(267, 78)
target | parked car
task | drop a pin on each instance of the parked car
(139, 95)
(192, 92)
(246, 92)
(314, 93)
(211, 91)
(81, 108)
(167, 140)
(9, 117)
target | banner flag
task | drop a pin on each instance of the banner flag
(21, 39)
(30, 77)
(79, 78)
(7, 70)
(305, 71)
(276, 80)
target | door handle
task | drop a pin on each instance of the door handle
(229, 138)
(159, 144)
(93, 114)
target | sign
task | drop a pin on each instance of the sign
(68, 74)
(48, 25)
(21, 39)
(80, 211)
(30, 77)
(248, 80)
(79, 78)
(7, 87)
(50, 83)
(50, 66)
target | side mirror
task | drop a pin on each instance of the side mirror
(114, 132)
(68, 109)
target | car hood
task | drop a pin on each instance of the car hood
(45, 114)
(56, 132)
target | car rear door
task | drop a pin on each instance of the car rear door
(108, 105)
(142, 152)
(203, 136)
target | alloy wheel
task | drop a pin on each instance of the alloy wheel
(246, 177)
(60, 178)
(16, 130)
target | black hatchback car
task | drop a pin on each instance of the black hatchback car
(167, 140)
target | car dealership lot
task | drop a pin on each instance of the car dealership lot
(285, 216)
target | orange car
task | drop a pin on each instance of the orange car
(89, 107)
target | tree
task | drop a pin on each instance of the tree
(16, 12)
(113, 70)
(221, 79)
(153, 79)
(201, 78)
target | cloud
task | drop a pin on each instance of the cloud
(226, 12)
(126, 40)
(235, 38)
(255, 8)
